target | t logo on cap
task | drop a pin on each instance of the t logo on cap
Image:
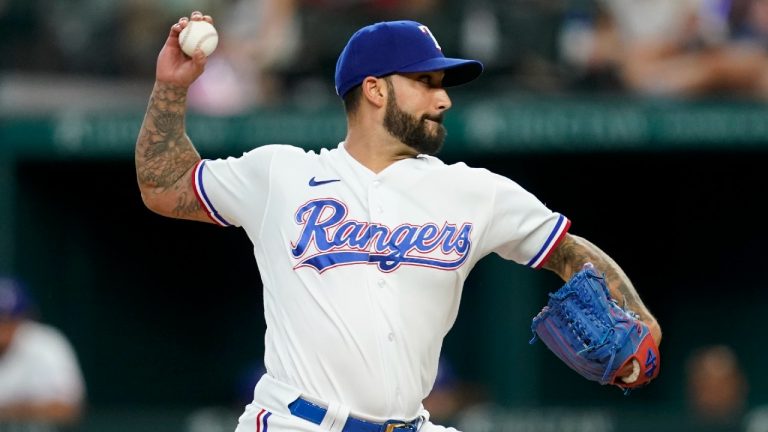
(390, 47)
(426, 31)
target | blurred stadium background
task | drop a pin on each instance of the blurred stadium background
(644, 121)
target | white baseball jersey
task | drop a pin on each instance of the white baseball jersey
(363, 271)
(39, 366)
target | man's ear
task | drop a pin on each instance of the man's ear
(374, 91)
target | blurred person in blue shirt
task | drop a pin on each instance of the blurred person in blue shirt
(41, 384)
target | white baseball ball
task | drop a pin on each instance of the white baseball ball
(198, 34)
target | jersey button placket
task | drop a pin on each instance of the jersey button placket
(384, 293)
(374, 202)
(382, 283)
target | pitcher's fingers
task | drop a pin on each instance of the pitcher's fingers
(208, 18)
(199, 57)
(196, 16)
(178, 27)
(175, 30)
(627, 370)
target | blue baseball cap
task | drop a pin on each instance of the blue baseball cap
(398, 47)
(14, 301)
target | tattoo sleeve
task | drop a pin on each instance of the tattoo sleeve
(165, 154)
(573, 252)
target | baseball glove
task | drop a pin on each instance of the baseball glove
(594, 336)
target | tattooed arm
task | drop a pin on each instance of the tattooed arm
(165, 156)
(573, 252)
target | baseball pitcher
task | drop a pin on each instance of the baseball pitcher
(363, 247)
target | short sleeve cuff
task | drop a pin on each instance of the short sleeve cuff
(202, 197)
(554, 238)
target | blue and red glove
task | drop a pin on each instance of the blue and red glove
(594, 336)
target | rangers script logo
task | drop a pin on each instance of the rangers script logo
(330, 239)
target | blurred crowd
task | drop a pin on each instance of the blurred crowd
(273, 51)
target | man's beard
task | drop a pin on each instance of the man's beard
(413, 132)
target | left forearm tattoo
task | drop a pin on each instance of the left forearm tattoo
(573, 252)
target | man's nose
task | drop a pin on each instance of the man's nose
(443, 100)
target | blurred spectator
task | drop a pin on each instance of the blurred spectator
(589, 47)
(257, 40)
(450, 397)
(136, 26)
(444, 401)
(271, 51)
(682, 48)
(748, 20)
(268, 47)
(25, 45)
(326, 25)
(756, 419)
(41, 384)
(80, 35)
(517, 40)
(717, 389)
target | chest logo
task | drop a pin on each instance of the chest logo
(313, 182)
(329, 239)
